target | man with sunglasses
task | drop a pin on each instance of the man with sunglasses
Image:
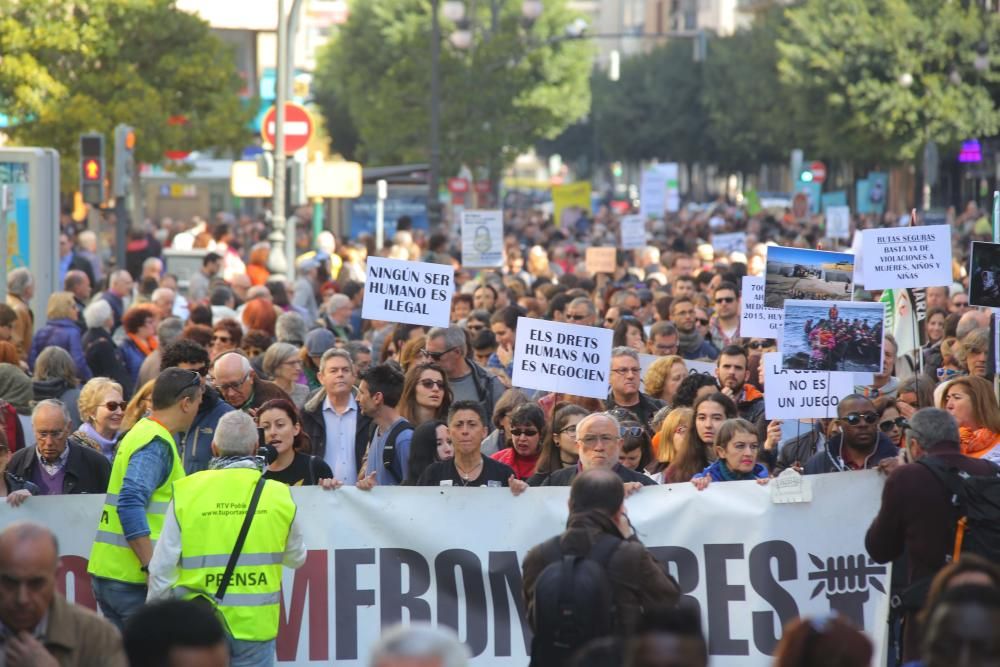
(724, 325)
(469, 381)
(582, 310)
(917, 516)
(145, 468)
(859, 445)
(55, 464)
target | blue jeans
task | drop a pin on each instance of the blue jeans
(118, 600)
(244, 653)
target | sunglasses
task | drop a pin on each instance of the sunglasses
(113, 405)
(221, 339)
(758, 345)
(947, 373)
(854, 418)
(430, 384)
(529, 432)
(702, 322)
(633, 431)
(436, 356)
(577, 318)
(725, 299)
(888, 424)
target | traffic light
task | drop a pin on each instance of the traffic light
(806, 175)
(92, 168)
(124, 159)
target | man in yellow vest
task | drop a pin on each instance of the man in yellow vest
(142, 477)
(203, 524)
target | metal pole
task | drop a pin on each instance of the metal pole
(383, 193)
(4, 193)
(293, 28)
(434, 173)
(277, 260)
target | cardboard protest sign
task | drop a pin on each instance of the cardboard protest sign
(984, 275)
(408, 292)
(567, 197)
(792, 394)
(818, 275)
(907, 257)
(601, 260)
(757, 320)
(833, 336)
(482, 239)
(838, 222)
(728, 243)
(563, 358)
(703, 367)
(633, 232)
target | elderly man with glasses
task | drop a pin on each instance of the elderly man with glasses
(625, 377)
(239, 385)
(469, 381)
(599, 444)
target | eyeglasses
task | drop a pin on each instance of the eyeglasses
(430, 384)
(221, 339)
(528, 432)
(49, 435)
(113, 405)
(592, 440)
(232, 386)
(626, 371)
(943, 373)
(725, 299)
(436, 356)
(854, 418)
(888, 424)
(576, 318)
(568, 429)
(633, 431)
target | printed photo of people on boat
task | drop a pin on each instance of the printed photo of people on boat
(984, 281)
(797, 273)
(833, 336)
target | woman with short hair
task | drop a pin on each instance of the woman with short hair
(56, 376)
(102, 410)
(139, 323)
(736, 447)
(283, 363)
(61, 330)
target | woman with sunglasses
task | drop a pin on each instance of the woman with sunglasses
(707, 416)
(426, 394)
(971, 401)
(629, 332)
(737, 448)
(637, 450)
(102, 409)
(890, 420)
(527, 431)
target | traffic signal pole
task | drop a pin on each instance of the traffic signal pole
(277, 261)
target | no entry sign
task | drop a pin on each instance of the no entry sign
(298, 127)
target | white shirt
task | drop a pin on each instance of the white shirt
(163, 567)
(340, 433)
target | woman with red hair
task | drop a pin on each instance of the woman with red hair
(259, 314)
(257, 266)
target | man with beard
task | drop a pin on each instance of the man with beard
(692, 344)
(859, 445)
(732, 374)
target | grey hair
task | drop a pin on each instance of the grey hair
(55, 362)
(118, 275)
(277, 354)
(162, 291)
(23, 531)
(356, 347)
(19, 280)
(258, 292)
(236, 434)
(169, 330)
(151, 261)
(599, 415)
(52, 403)
(623, 351)
(337, 301)
(933, 425)
(290, 328)
(583, 301)
(336, 352)
(97, 313)
(453, 337)
(421, 641)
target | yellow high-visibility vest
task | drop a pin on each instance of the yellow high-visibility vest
(210, 507)
(111, 557)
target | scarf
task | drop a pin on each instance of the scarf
(105, 446)
(731, 476)
(146, 347)
(689, 342)
(227, 462)
(977, 442)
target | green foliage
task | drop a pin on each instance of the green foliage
(88, 65)
(511, 89)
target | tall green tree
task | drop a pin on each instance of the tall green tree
(512, 87)
(874, 80)
(74, 66)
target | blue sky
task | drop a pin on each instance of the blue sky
(801, 256)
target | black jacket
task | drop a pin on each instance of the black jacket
(566, 476)
(645, 409)
(105, 359)
(829, 459)
(87, 471)
(315, 427)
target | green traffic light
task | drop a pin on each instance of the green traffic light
(806, 177)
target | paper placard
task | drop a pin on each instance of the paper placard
(601, 260)
(645, 361)
(984, 275)
(791, 487)
(796, 273)
(725, 244)
(562, 358)
(907, 257)
(633, 232)
(838, 222)
(802, 394)
(482, 239)
(833, 336)
(408, 292)
(756, 320)
(568, 201)
(703, 367)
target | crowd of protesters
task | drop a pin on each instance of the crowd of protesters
(348, 401)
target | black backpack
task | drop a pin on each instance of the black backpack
(389, 451)
(573, 601)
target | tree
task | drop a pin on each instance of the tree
(848, 63)
(512, 88)
(72, 67)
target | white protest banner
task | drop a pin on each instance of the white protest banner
(482, 239)
(633, 232)
(703, 367)
(797, 394)
(601, 260)
(563, 358)
(838, 222)
(907, 257)
(645, 361)
(751, 565)
(408, 292)
(756, 319)
(724, 244)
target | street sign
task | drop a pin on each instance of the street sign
(818, 170)
(458, 185)
(333, 180)
(298, 127)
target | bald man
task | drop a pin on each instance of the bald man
(41, 627)
(239, 385)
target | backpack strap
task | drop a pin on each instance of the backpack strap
(389, 449)
(950, 477)
(603, 549)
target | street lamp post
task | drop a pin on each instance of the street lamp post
(276, 259)
(434, 172)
